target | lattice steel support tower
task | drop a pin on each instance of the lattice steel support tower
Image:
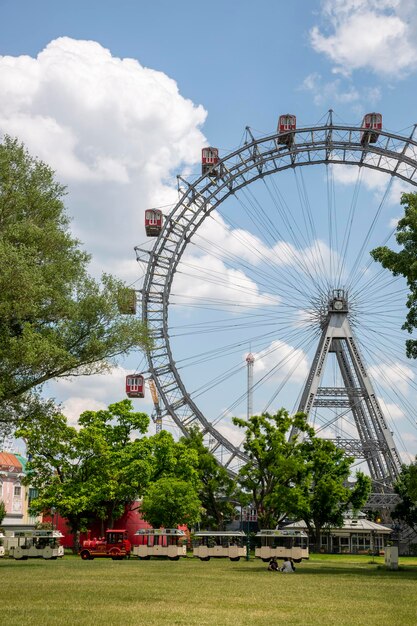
(375, 444)
(250, 360)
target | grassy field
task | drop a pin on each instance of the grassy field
(327, 590)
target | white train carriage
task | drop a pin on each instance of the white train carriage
(30, 544)
(282, 544)
(219, 544)
(168, 542)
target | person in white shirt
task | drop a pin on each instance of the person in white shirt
(287, 567)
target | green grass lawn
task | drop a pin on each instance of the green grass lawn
(326, 590)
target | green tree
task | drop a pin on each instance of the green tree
(171, 502)
(104, 466)
(406, 488)
(218, 492)
(2, 511)
(172, 459)
(276, 467)
(404, 263)
(302, 478)
(91, 472)
(326, 495)
(412, 481)
(55, 320)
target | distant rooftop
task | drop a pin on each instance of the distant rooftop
(8, 460)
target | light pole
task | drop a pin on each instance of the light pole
(373, 545)
(247, 536)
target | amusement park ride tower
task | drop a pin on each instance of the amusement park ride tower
(375, 444)
(250, 360)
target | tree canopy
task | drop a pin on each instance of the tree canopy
(406, 488)
(276, 467)
(171, 502)
(326, 493)
(218, 492)
(88, 473)
(106, 465)
(302, 477)
(55, 320)
(404, 263)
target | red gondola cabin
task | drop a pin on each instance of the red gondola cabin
(209, 162)
(135, 386)
(286, 124)
(153, 222)
(371, 124)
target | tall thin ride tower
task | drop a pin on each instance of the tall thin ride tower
(250, 360)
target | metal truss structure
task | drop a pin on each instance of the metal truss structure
(375, 444)
(257, 158)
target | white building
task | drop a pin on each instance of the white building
(14, 493)
(358, 535)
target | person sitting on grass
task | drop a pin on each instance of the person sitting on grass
(273, 565)
(288, 566)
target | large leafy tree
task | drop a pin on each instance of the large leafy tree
(406, 488)
(326, 493)
(106, 465)
(404, 263)
(172, 495)
(92, 472)
(301, 477)
(276, 467)
(55, 320)
(218, 492)
(171, 502)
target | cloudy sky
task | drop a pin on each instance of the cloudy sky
(120, 97)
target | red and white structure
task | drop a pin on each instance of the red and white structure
(371, 125)
(250, 360)
(135, 386)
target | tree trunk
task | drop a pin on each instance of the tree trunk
(76, 536)
(317, 538)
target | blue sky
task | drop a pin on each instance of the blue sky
(120, 97)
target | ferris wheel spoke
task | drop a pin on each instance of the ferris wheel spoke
(353, 274)
(247, 261)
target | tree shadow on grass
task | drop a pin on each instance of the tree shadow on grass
(364, 571)
(16, 563)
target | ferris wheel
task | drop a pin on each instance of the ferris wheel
(247, 262)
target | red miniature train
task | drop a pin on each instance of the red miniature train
(114, 545)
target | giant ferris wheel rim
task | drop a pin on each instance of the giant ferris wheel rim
(328, 144)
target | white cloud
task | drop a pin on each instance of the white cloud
(406, 457)
(73, 407)
(393, 223)
(393, 375)
(373, 180)
(234, 434)
(379, 35)
(93, 393)
(115, 132)
(390, 410)
(205, 277)
(410, 441)
(205, 273)
(285, 358)
(339, 91)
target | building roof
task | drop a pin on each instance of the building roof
(22, 460)
(351, 525)
(9, 460)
